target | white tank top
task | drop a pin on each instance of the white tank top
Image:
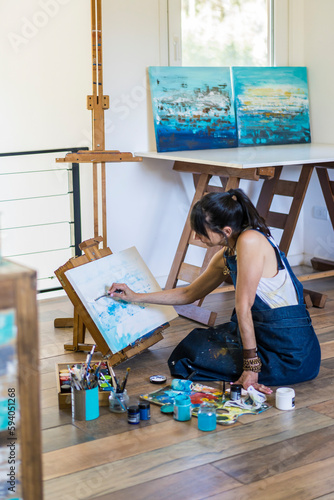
(278, 291)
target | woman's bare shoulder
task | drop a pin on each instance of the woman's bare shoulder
(252, 236)
(252, 240)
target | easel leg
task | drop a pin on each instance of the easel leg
(95, 200)
(104, 204)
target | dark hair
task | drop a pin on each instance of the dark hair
(233, 208)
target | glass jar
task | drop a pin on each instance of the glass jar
(118, 401)
(207, 420)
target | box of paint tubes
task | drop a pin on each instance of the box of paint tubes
(63, 378)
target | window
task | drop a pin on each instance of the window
(226, 32)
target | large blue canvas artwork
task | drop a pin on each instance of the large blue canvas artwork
(121, 323)
(192, 108)
(272, 105)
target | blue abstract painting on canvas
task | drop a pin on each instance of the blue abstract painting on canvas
(192, 108)
(121, 323)
(272, 105)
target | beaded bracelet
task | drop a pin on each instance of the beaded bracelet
(252, 365)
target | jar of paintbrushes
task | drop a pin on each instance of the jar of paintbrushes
(84, 390)
(118, 399)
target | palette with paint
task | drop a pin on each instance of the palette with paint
(226, 415)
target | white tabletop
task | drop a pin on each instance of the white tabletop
(252, 157)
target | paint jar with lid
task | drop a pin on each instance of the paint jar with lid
(144, 410)
(207, 420)
(133, 414)
(118, 401)
(182, 407)
(236, 390)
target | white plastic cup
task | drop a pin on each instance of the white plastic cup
(285, 398)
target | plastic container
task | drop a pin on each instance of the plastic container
(285, 398)
(182, 408)
(207, 420)
(118, 401)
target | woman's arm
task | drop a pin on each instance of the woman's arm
(209, 280)
(251, 255)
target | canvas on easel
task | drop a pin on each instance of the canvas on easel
(120, 330)
(120, 323)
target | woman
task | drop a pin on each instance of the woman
(270, 339)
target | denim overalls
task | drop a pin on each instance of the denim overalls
(286, 341)
(287, 344)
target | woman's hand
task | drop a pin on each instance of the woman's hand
(248, 378)
(122, 291)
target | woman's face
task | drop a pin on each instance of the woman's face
(214, 239)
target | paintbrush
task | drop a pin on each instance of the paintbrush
(104, 295)
(108, 295)
(125, 380)
(114, 380)
(89, 359)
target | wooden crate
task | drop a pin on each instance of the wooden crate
(64, 398)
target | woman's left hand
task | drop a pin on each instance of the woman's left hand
(248, 378)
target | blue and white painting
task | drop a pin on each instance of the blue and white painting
(192, 108)
(272, 105)
(120, 323)
(9, 403)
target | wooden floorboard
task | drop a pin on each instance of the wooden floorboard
(273, 455)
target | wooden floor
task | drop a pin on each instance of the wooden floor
(274, 455)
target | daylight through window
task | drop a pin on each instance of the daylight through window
(225, 33)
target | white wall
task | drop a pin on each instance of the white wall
(147, 202)
(311, 39)
(45, 58)
(44, 77)
(46, 66)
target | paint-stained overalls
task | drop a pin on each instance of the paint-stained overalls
(286, 342)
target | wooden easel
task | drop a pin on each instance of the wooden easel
(82, 319)
(98, 103)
